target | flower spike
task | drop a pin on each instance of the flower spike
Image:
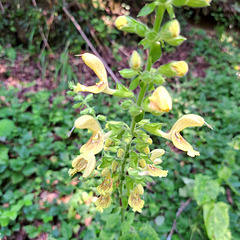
(97, 66)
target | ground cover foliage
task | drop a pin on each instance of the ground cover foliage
(38, 200)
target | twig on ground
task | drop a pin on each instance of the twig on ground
(78, 27)
(180, 210)
(2, 8)
(229, 196)
(44, 37)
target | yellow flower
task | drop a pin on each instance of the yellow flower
(106, 186)
(189, 120)
(153, 171)
(104, 201)
(95, 143)
(120, 22)
(86, 162)
(134, 199)
(97, 66)
(180, 67)
(160, 101)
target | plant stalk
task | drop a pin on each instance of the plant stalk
(158, 20)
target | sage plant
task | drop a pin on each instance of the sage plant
(128, 161)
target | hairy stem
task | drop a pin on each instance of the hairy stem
(158, 20)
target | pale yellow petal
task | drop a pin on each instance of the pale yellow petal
(94, 144)
(156, 172)
(157, 153)
(91, 164)
(88, 122)
(180, 143)
(189, 120)
(97, 66)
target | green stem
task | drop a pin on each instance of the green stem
(159, 17)
(158, 20)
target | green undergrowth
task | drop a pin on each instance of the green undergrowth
(38, 196)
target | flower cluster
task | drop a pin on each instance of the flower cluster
(127, 160)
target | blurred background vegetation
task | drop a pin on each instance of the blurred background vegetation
(38, 41)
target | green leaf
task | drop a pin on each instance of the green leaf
(129, 218)
(141, 231)
(66, 230)
(153, 128)
(170, 11)
(122, 91)
(216, 220)
(29, 169)
(128, 73)
(155, 51)
(129, 183)
(147, 9)
(134, 83)
(3, 155)
(224, 173)
(175, 41)
(6, 127)
(32, 231)
(16, 178)
(205, 189)
(133, 159)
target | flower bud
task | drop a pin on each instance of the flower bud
(106, 173)
(173, 69)
(160, 101)
(128, 24)
(108, 142)
(149, 141)
(170, 29)
(127, 104)
(121, 22)
(135, 61)
(146, 150)
(120, 152)
(114, 166)
(139, 189)
(142, 163)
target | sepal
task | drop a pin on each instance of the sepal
(122, 91)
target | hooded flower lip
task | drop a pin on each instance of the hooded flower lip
(95, 143)
(134, 199)
(160, 101)
(189, 120)
(97, 66)
(86, 162)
